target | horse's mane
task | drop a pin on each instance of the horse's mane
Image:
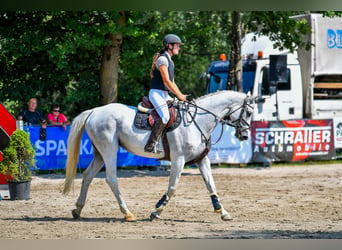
(213, 94)
(208, 95)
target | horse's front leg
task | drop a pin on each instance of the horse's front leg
(205, 169)
(175, 173)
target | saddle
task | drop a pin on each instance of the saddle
(147, 115)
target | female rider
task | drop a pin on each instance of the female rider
(162, 82)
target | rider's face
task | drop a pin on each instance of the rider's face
(176, 48)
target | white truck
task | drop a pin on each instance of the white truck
(286, 102)
(312, 87)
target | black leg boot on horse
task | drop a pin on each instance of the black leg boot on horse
(157, 130)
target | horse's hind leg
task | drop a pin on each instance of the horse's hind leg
(204, 167)
(88, 176)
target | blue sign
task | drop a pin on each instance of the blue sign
(51, 154)
(334, 38)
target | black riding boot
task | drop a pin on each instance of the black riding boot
(157, 130)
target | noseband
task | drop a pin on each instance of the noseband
(237, 123)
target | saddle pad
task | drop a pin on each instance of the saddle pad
(141, 121)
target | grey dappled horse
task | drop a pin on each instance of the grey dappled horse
(111, 126)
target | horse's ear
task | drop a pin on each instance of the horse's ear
(249, 98)
(254, 99)
(248, 93)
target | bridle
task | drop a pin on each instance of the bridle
(185, 106)
(241, 119)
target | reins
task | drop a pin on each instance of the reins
(186, 107)
(193, 116)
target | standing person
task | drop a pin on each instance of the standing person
(32, 116)
(57, 118)
(162, 82)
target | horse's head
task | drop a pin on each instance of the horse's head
(240, 116)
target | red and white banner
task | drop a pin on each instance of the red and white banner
(294, 140)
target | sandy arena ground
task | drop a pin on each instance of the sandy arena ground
(269, 203)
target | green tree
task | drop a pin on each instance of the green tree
(86, 58)
(110, 63)
(204, 34)
(285, 31)
(54, 56)
(234, 80)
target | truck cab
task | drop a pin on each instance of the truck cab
(285, 103)
(283, 100)
(217, 75)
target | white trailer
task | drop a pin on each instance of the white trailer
(321, 67)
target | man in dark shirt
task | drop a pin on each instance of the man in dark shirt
(31, 116)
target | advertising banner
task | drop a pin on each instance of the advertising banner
(229, 149)
(51, 154)
(294, 140)
(338, 132)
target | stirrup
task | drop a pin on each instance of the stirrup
(156, 149)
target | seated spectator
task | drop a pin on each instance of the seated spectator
(31, 116)
(57, 118)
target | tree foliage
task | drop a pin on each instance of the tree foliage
(204, 35)
(284, 31)
(56, 56)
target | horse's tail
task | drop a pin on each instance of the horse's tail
(74, 142)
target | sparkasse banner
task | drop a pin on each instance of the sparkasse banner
(294, 140)
(51, 154)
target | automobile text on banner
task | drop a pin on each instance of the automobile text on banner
(51, 154)
(294, 140)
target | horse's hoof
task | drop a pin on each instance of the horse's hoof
(75, 214)
(130, 217)
(154, 216)
(226, 217)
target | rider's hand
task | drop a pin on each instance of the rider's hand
(182, 97)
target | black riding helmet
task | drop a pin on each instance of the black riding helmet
(171, 39)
